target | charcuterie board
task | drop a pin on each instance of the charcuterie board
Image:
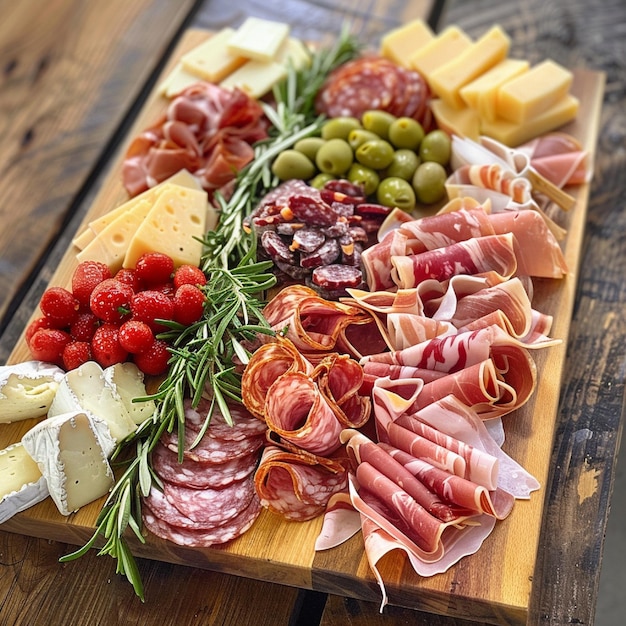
(492, 586)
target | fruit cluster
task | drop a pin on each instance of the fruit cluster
(114, 318)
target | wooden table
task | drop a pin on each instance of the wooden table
(61, 127)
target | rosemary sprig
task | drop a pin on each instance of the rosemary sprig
(204, 354)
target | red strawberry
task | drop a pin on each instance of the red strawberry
(149, 305)
(47, 344)
(154, 360)
(188, 304)
(135, 336)
(84, 326)
(154, 268)
(34, 326)
(130, 278)
(105, 346)
(75, 354)
(110, 300)
(189, 275)
(86, 276)
(59, 306)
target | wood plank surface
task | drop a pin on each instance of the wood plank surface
(71, 72)
(277, 551)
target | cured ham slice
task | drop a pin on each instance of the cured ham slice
(297, 485)
(475, 256)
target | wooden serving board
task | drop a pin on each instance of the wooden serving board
(492, 586)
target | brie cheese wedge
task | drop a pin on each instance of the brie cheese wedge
(27, 390)
(22, 484)
(71, 451)
(127, 381)
(85, 389)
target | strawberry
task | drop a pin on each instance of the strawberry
(84, 326)
(154, 268)
(86, 276)
(110, 300)
(153, 361)
(105, 346)
(47, 344)
(135, 336)
(34, 326)
(189, 275)
(59, 306)
(188, 304)
(75, 354)
(149, 305)
(130, 278)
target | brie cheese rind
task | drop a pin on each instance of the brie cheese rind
(85, 389)
(71, 451)
(27, 390)
(22, 484)
(127, 381)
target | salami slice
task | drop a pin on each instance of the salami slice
(211, 506)
(203, 538)
(191, 473)
(337, 276)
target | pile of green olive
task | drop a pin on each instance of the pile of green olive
(392, 158)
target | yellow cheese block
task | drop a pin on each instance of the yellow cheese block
(256, 78)
(212, 60)
(481, 94)
(400, 44)
(177, 80)
(437, 52)
(175, 221)
(534, 92)
(258, 39)
(293, 52)
(482, 55)
(463, 122)
(513, 134)
(182, 178)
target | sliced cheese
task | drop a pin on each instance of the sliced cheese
(71, 451)
(512, 134)
(481, 94)
(22, 484)
(437, 52)
(85, 389)
(293, 52)
(128, 382)
(482, 55)
(258, 39)
(111, 244)
(212, 60)
(174, 226)
(182, 178)
(256, 78)
(177, 80)
(27, 390)
(401, 43)
(527, 96)
(463, 122)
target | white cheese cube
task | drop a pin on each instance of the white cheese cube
(258, 39)
(256, 78)
(127, 381)
(27, 390)
(85, 389)
(71, 451)
(22, 484)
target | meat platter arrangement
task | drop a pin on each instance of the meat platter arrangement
(323, 301)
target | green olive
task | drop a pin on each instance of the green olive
(436, 146)
(293, 164)
(378, 122)
(375, 153)
(339, 127)
(366, 177)
(404, 164)
(359, 136)
(309, 146)
(429, 182)
(396, 192)
(405, 132)
(320, 180)
(334, 157)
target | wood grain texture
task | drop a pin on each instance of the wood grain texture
(278, 551)
(71, 71)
